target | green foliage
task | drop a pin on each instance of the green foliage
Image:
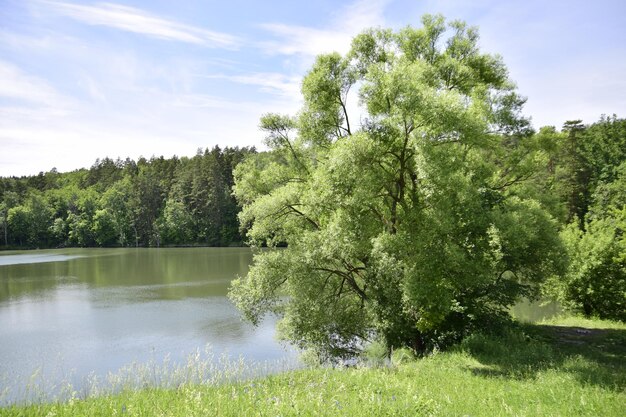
(375, 354)
(604, 149)
(30, 223)
(18, 219)
(609, 197)
(595, 283)
(104, 228)
(118, 200)
(177, 223)
(80, 230)
(413, 227)
(583, 158)
(9, 200)
(123, 203)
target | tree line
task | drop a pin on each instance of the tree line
(148, 202)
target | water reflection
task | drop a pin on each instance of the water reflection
(96, 310)
(33, 259)
(534, 311)
(180, 273)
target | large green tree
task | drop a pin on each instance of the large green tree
(404, 226)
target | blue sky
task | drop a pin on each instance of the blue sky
(86, 79)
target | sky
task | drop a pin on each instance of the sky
(81, 80)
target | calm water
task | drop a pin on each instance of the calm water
(536, 310)
(82, 311)
(70, 313)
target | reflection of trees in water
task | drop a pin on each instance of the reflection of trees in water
(161, 273)
(534, 311)
(226, 329)
(20, 280)
(229, 330)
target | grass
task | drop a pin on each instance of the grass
(566, 367)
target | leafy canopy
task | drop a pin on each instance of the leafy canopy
(595, 281)
(404, 226)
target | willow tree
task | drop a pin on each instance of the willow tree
(403, 226)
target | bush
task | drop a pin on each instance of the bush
(595, 282)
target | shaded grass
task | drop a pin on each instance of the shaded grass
(591, 356)
(528, 370)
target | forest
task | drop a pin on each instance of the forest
(148, 202)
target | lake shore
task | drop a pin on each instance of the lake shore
(566, 366)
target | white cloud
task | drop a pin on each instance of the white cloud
(69, 146)
(349, 21)
(361, 14)
(26, 42)
(139, 122)
(15, 84)
(135, 20)
(269, 82)
(71, 143)
(300, 40)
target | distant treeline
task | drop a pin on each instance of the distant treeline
(148, 202)
(189, 201)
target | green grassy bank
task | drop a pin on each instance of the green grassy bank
(569, 367)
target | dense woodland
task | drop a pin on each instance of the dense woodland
(155, 202)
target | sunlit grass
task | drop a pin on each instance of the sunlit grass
(199, 368)
(579, 321)
(529, 370)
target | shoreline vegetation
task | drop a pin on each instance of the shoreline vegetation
(566, 366)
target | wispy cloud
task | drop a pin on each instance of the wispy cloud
(20, 41)
(17, 85)
(360, 15)
(167, 126)
(268, 82)
(308, 41)
(200, 101)
(135, 20)
(300, 40)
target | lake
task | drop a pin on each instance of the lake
(67, 314)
